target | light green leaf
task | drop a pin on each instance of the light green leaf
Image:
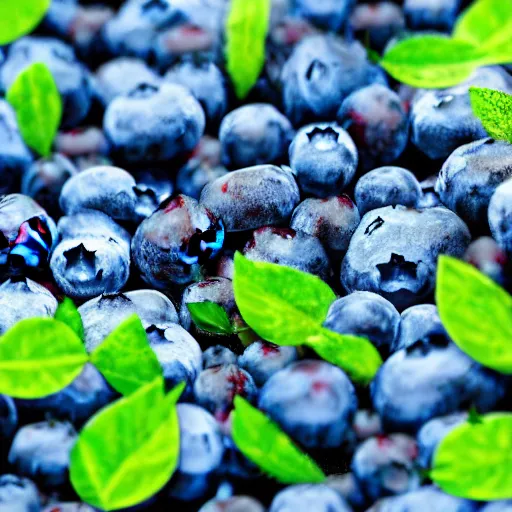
(474, 460)
(494, 109)
(264, 443)
(246, 33)
(20, 17)
(38, 357)
(38, 106)
(128, 451)
(356, 355)
(125, 357)
(68, 313)
(210, 317)
(476, 312)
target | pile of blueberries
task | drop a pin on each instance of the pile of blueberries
(159, 174)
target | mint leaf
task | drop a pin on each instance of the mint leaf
(38, 106)
(125, 358)
(128, 451)
(476, 312)
(473, 460)
(494, 109)
(68, 314)
(210, 317)
(20, 17)
(246, 33)
(38, 357)
(264, 443)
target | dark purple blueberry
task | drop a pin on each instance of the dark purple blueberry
(304, 497)
(429, 197)
(233, 504)
(18, 494)
(329, 15)
(83, 144)
(366, 424)
(346, 485)
(431, 15)
(500, 214)
(486, 255)
(218, 355)
(194, 176)
(8, 418)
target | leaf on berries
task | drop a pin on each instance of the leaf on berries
(210, 317)
(68, 314)
(20, 17)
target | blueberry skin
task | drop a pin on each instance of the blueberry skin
(330, 15)
(366, 424)
(377, 122)
(41, 452)
(486, 255)
(8, 417)
(118, 77)
(500, 215)
(233, 504)
(313, 401)
(193, 177)
(441, 121)
(285, 246)
(387, 186)
(206, 83)
(252, 198)
(498, 506)
(71, 506)
(101, 315)
(93, 256)
(18, 494)
(254, 134)
(385, 466)
(424, 499)
(427, 380)
(218, 355)
(428, 15)
(394, 252)
(470, 176)
(153, 123)
(320, 73)
(433, 432)
(429, 197)
(332, 220)
(365, 314)
(71, 77)
(15, 157)
(305, 497)
(346, 485)
(22, 298)
(170, 246)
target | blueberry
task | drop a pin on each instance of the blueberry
(366, 424)
(201, 451)
(428, 15)
(394, 251)
(375, 119)
(218, 355)
(429, 379)
(193, 177)
(23, 298)
(263, 359)
(233, 504)
(385, 466)
(365, 314)
(153, 123)
(8, 417)
(285, 246)
(429, 197)
(432, 433)
(330, 15)
(84, 144)
(70, 75)
(324, 158)
(69, 506)
(387, 186)
(154, 186)
(313, 401)
(498, 506)
(500, 215)
(253, 135)
(18, 494)
(304, 498)
(60, 16)
(41, 451)
(206, 83)
(332, 220)
(253, 197)
(93, 256)
(170, 246)
(487, 256)
(470, 176)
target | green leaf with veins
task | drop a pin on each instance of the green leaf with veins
(19, 17)
(68, 314)
(494, 109)
(210, 317)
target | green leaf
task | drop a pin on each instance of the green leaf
(264, 443)
(281, 304)
(38, 357)
(356, 355)
(246, 33)
(494, 109)
(474, 460)
(38, 105)
(68, 314)
(474, 416)
(20, 17)
(476, 312)
(210, 317)
(125, 357)
(128, 451)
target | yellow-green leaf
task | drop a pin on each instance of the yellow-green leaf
(474, 460)
(246, 33)
(494, 109)
(264, 443)
(38, 357)
(210, 317)
(38, 106)
(19, 17)
(128, 451)
(68, 313)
